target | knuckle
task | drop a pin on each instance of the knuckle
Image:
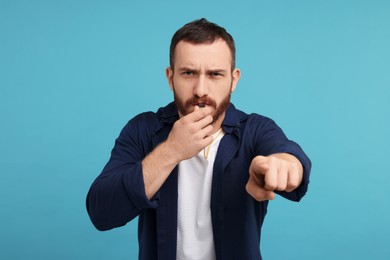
(290, 188)
(209, 128)
(259, 159)
(293, 167)
(293, 184)
(177, 123)
(271, 186)
(192, 129)
(282, 187)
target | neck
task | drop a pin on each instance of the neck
(217, 124)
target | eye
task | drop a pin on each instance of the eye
(216, 74)
(187, 73)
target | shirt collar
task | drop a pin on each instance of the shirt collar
(168, 114)
(231, 117)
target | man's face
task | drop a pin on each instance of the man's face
(202, 74)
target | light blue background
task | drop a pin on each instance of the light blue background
(73, 72)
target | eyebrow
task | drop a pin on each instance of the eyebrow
(186, 69)
(196, 70)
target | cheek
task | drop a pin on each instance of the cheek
(182, 89)
(183, 94)
(220, 93)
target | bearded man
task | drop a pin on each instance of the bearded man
(198, 173)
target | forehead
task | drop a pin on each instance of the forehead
(216, 54)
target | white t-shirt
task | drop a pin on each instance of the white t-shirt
(194, 228)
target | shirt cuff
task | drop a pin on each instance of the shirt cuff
(135, 187)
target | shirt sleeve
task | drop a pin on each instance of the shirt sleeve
(270, 139)
(118, 194)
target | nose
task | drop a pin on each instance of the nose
(201, 87)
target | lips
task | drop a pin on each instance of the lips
(197, 103)
(200, 102)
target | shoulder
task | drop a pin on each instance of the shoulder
(148, 122)
(142, 120)
(260, 121)
(254, 123)
(255, 120)
(145, 118)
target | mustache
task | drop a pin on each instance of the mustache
(198, 100)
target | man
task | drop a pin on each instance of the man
(198, 173)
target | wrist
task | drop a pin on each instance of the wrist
(169, 153)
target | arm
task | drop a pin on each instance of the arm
(187, 138)
(117, 195)
(130, 180)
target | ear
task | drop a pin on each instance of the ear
(169, 75)
(236, 74)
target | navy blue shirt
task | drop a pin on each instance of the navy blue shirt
(118, 195)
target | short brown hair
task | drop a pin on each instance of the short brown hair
(201, 31)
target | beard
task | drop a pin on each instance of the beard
(187, 106)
